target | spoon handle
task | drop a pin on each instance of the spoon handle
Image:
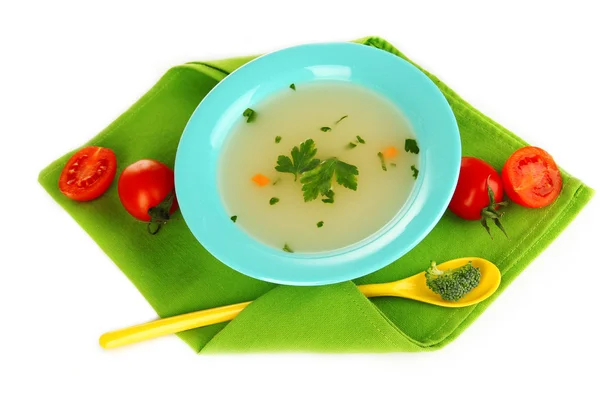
(379, 289)
(166, 326)
(197, 319)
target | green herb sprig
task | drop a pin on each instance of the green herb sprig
(318, 180)
(303, 159)
(317, 176)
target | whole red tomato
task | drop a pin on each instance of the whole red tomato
(147, 191)
(479, 193)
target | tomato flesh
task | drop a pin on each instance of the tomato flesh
(531, 177)
(88, 173)
(145, 184)
(471, 193)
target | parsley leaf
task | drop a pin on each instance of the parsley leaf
(410, 146)
(234, 218)
(319, 224)
(318, 180)
(382, 159)
(415, 171)
(250, 115)
(329, 197)
(277, 139)
(325, 129)
(351, 145)
(293, 86)
(341, 119)
(274, 200)
(360, 140)
(287, 248)
(303, 159)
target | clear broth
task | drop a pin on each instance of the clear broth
(297, 116)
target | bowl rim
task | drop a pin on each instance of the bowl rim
(212, 228)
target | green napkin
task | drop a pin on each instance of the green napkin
(177, 275)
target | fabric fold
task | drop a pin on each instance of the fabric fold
(329, 319)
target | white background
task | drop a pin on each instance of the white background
(69, 69)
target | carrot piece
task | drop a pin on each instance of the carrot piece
(260, 180)
(390, 152)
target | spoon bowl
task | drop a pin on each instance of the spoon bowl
(415, 287)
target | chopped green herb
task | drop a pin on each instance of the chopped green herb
(410, 146)
(382, 159)
(329, 197)
(250, 115)
(393, 165)
(293, 86)
(303, 159)
(287, 248)
(415, 171)
(234, 218)
(319, 224)
(325, 129)
(277, 139)
(341, 119)
(318, 180)
(273, 201)
(276, 181)
(360, 140)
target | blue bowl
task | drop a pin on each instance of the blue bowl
(205, 134)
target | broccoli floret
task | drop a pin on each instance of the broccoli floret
(453, 284)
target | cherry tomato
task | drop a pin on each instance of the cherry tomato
(531, 177)
(478, 194)
(146, 190)
(88, 173)
(471, 193)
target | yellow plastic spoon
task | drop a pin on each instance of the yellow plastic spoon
(413, 287)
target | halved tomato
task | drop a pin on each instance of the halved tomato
(531, 177)
(88, 173)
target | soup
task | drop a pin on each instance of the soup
(318, 166)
